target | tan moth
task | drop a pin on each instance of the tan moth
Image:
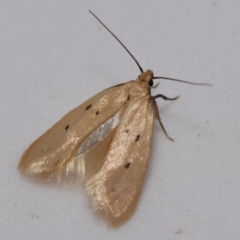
(107, 141)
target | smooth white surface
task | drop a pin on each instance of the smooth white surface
(54, 55)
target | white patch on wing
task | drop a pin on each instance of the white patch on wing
(99, 134)
(92, 142)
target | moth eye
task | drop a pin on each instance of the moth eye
(150, 83)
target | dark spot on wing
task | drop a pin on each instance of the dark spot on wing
(128, 97)
(137, 138)
(67, 127)
(88, 107)
(127, 131)
(127, 165)
(97, 112)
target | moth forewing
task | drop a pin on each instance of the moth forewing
(51, 152)
(116, 187)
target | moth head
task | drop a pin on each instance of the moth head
(147, 77)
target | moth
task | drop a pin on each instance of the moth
(107, 141)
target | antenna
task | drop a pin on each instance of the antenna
(165, 78)
(118, 41)
(183, 81)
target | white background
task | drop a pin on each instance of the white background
(54, 55)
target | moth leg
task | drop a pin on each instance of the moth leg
(157, 115)
(164, 130)
(165, 98)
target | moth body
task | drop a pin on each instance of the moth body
(107, 141)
